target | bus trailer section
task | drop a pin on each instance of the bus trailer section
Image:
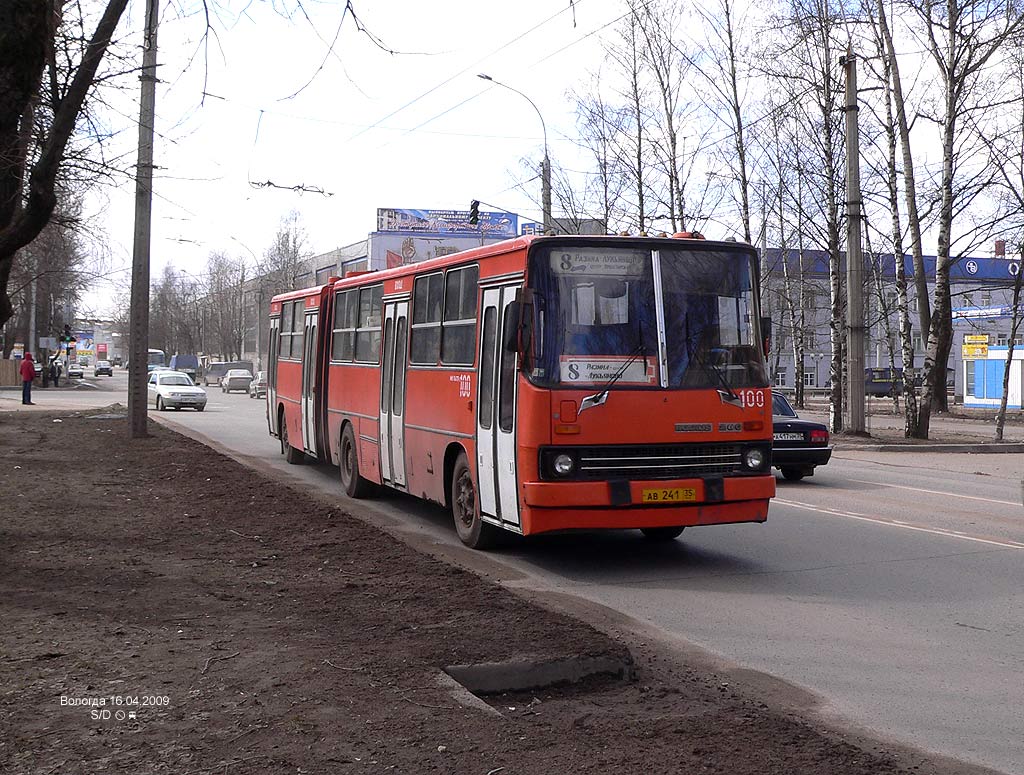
(539, 384)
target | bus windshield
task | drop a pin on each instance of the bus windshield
(683, 318)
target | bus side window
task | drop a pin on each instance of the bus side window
(298, 321)
(428, 292)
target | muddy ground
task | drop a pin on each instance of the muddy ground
(228, 624)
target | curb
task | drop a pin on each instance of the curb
(498, 677)
(983, 448)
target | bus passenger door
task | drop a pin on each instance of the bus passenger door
(392, 393)
(496, 403)
(275, 325)
(309, 386)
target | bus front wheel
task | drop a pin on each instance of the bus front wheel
(472, 530)
(348, 466)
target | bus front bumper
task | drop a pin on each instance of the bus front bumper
(636, 504)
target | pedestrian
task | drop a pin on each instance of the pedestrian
(54, 373)
(28, 373)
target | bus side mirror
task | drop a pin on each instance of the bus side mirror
(766, 336)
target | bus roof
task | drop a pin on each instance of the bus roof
(484, 251)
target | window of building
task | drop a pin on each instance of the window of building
(1001, 339)
(780, 377)
(968, 299)
(918, 343)
(458, 328)
(323, 273)
(810, 379)
(427, 298)
(986, 299)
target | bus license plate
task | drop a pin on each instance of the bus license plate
(668, 495)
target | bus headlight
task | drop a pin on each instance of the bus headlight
(755, 458)
(562, 465)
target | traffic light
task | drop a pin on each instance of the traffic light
(474, 212)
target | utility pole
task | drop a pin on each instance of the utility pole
(139, 326)
(854, 260)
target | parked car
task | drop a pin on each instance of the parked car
(258, 387)
(799, 446)
(103, 367)
(76, 371)
(174, 390)
(236, 379)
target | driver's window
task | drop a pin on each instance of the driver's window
(152, 380)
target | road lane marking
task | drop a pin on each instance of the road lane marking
(903, 525)
(936, 492)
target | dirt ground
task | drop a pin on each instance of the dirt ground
(229, 624)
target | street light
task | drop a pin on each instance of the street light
(545, 174)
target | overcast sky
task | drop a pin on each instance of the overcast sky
(294, 102)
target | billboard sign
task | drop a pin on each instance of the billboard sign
(84, 345)
(491, 224)
(388, 250)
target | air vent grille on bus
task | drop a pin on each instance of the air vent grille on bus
(675, 461)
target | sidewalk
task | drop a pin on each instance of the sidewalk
(261, 630)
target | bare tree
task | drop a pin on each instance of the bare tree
(633, 145)
(962, 37)
(600, 124)
(894, 124)
(804, 64)
(30, 164)
(722, 67)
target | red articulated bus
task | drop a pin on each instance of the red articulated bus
(539, 384)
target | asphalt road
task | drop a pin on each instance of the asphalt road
(891, 585)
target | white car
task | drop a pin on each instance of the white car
(236, 379)
(76, 371)
(174, 390)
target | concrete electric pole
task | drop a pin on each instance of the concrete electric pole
(139, 327)
(854, 260)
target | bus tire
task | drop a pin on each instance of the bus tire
(661, 533)
(472, 530)
(291, 455)
(348, 466)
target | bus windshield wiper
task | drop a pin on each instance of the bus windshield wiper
(725, 392)
(601, 395)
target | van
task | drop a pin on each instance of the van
(187, 364)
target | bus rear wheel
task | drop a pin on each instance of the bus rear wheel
(291, 455)
(472, 530)
(661, 533)
(348, 467)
